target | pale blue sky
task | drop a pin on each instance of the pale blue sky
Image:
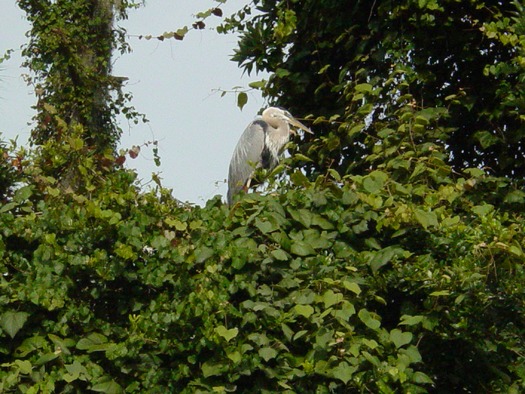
(173, 84)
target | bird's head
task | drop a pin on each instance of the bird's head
(273, 114)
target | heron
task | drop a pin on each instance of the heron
(260, 145)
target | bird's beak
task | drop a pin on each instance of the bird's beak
(299, 125)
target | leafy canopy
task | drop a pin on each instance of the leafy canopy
(385, 262)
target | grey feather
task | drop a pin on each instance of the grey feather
(246, 156)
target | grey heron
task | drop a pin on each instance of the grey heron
(260, 145)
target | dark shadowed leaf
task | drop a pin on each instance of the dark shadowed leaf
(12, 322)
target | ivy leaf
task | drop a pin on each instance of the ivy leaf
(411, 320)
(235, 356)
(280, 255)
(108, 387)
(227, 334)
(330, 298)
(301, 248)
(400, 338)
(209, 369)
(304, 310)
(344, 372)
(75, 370)
(203, 253)
(12, 322)
(267, 353)
(265, 226)
(375, 181)
(421, 378)
(94, 342)
(24, 366)
(369, 320)
(426, 219)
(352, 286)
(346, 311)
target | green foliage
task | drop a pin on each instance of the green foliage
(377, 266)
(69, 52)
(339, 59)
(407, 278)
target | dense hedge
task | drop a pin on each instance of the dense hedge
(407, 279)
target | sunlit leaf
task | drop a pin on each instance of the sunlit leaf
(369, 320)
(227, 334)
(267, 353)
(400, 338)
(426, 218)
(304, 310)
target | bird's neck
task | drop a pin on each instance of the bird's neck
(276, 142)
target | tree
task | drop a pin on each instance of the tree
(464, 56)
(70, 55)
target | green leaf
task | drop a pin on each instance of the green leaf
(7, 207)
(227, 334)
(45, 358)
(287, 331)
(304, 310)
(483, 210)
(486, 139)
(302, 157)
(375, 182)
(299, 179)
(267, 353)
(75, 370)
(235, 356)
(425, 218)
(383, 256)
(108, 387)
(301, 248)
(352, 286)
(257, 84)
(421, 378)
(24, 366)
(344, 371)
(242, 99)
(12, 322)
(369, 320)
(371, 343)
(400, 338)
(330, 298)
(363, 88)
(412, 353)
(411, 320)
(210, 369)
(303, 216)
(279, 254)
(23, 194)
(299, 334)
(265, 226)
(94, 342)
(347, 310)
(440, 293)
(203, 253)
(179, 226)
(30, 345)
(281, 72)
